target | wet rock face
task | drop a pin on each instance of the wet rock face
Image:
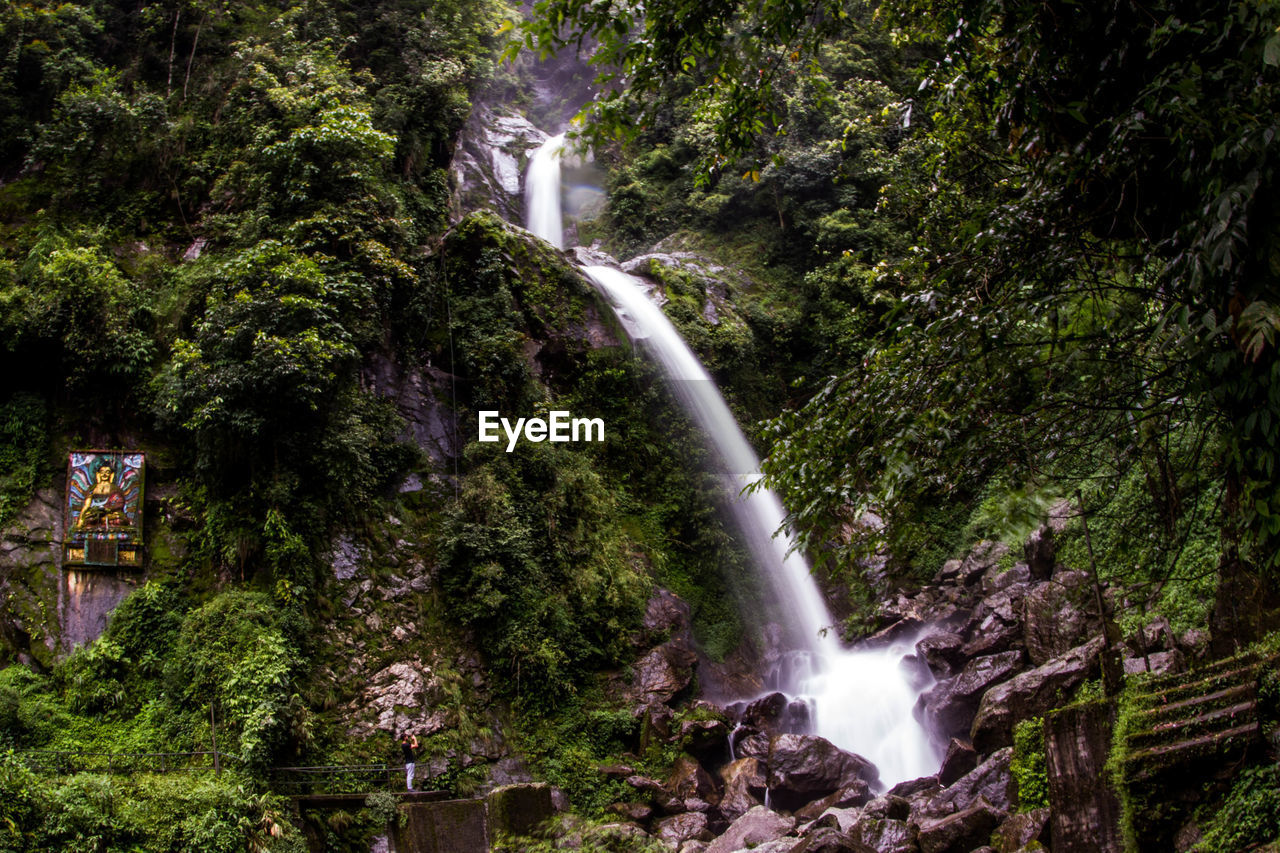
(489, 162)
(942, 653)
(1031, 694)
(690, 826)
(745, 785)
(29, 582)
(961, 757)
(755, 828)
(1056, 618)
(773, 714)
(803, 768)
(885, 835)
(1022, 829)
(949, 706)
(664, 672)
(991, 781)
(960, 832)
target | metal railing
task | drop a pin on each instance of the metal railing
(337, 779)
(319, 779)
(62, 762)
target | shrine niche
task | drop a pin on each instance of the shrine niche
(103, 510)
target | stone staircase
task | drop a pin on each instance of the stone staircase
(1186, 734)
(1208, 713)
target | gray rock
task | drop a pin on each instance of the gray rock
(667, 612)
(960, 832)
(850, 796)
(1055, 616)
(995, 580)
(802, 768)
(829, 840)
(1021, 829)
(636, 812)
(949, 706)
(1031, 694)
(961, 758)
(1161, 663)
(757, 826)
(667, 802)
(942, 652)
(707, 739)
(744, 787)
(885, 835)
(990, 781)
(664, 672)
(689, 779)
(1040, 551)
(691, 826)
(888, 806)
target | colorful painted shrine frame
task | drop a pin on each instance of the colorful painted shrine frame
(103, 510)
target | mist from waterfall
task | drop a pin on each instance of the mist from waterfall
(861, 700)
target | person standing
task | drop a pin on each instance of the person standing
(409, 750)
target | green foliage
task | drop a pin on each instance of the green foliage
(23, 441)
(1248, 815)
(70, 300)
(535, 553)
(238, 653)
(588, 836)
(1028, 764)
(144, 814)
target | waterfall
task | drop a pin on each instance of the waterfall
(861, 701)
(542, 192)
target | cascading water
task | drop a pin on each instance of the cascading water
(861, 701)
(542, 183)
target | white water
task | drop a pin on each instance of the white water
(861, 700)
(542, 192)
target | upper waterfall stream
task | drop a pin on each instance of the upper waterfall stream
(861, 700)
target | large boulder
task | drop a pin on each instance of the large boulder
(949, 706)
(830, 840)
(690, 826)
(961, 757)
(655, 724)
(1031, 694)
(942, 652)
(996, 623)
(1056, 616)
(746, 742)
(689, 780)
(803, 768)
(885, 835)
(960, 832)
(971, 569)
(1021, 829)
(857, 794)
(773, 714)
(664, 672)
(1158, 663)
(707, 739)
(751, 830)
(991, 781)
(657, 793)
(745, 785)
(1040, 551)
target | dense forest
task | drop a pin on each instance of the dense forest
(993, 288)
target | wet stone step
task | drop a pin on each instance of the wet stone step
(1148, 763)
(1228, 717)
(1185, 708)
(1236, 662)
(1191, 689)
